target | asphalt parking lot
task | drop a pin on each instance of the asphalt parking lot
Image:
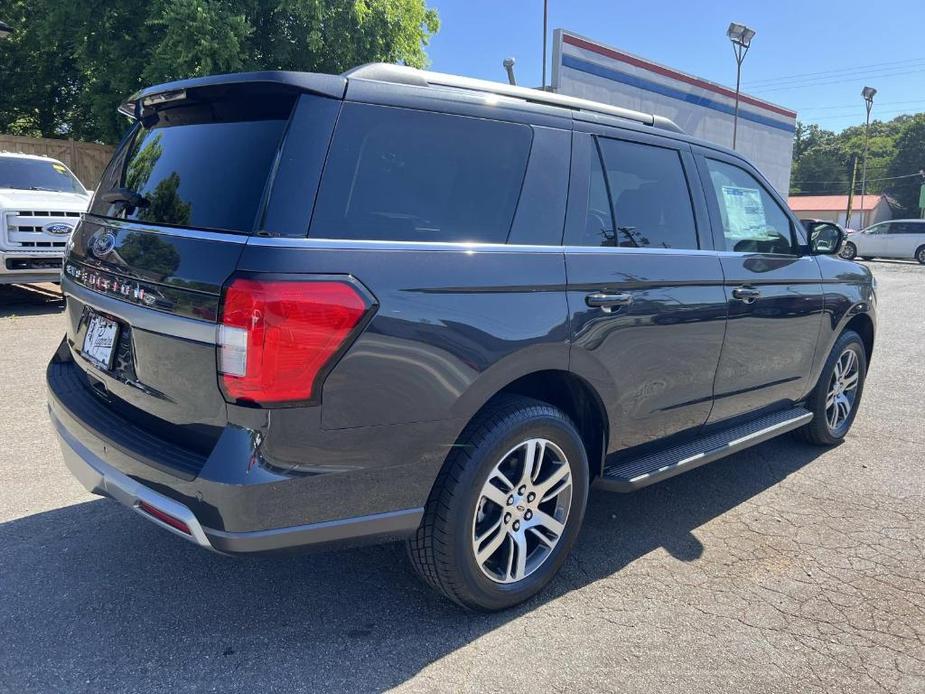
(782, 569)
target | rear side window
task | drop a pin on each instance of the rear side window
(202, 165)
(651, 201)
(403, 175)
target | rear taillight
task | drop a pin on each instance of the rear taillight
(277, 336)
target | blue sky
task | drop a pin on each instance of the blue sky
(812, 56)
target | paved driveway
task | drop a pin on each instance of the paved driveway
(785, 569)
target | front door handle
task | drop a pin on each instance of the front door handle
(608, 302)
(746, 294)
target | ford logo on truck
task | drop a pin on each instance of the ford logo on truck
(58, 229)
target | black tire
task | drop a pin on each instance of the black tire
(920, 254)
(818, 431)
(849, 251)
(442, 549)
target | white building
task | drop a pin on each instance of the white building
(591, 70)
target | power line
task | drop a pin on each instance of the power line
(857, 106)
(852, 70)
(869, 180)
(833, 81)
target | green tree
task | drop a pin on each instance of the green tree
(909, 158)
(71, 62)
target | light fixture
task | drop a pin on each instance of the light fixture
(741, 37)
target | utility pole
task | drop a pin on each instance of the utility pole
(868, 93)
(854, 174)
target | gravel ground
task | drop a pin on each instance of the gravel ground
(782, 569)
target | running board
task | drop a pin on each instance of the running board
(630, 475)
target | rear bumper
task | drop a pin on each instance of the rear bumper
(106, 467)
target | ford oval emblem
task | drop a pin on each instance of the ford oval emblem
(58, 229)
(102, 243)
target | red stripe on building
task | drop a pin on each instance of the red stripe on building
(680, 76)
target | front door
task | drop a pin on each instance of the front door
(874, 241)
(773, 289)
(645, 290)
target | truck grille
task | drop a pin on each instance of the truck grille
(25, 228)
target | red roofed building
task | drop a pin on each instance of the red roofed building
(864, 212)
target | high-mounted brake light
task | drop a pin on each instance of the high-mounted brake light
(277, 336)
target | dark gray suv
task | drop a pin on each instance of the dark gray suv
(313, 310)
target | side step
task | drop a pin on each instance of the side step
(630, 475)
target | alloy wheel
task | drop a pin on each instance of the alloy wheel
(522, 510)
(843, 390)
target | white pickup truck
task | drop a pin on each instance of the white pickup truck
(40, 204)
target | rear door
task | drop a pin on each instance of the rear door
(644, 285)
(773, 290)
(904, 238)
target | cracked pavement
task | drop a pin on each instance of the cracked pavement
(785, 568)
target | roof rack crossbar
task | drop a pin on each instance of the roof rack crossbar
(401, 74)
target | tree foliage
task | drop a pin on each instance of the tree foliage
(823, 160)
(70, 63)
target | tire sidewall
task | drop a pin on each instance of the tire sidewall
(485, 592)
(849, 252)
(848, 339)
(920, 254)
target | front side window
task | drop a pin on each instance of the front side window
(752, 220)
(404, 175)
(22, 173)
(883, 228)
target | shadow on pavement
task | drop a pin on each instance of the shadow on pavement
(93, 597)
(30, 299)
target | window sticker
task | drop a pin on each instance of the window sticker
(745, 217)
(60, 169)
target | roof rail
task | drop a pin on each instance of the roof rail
(402, 74)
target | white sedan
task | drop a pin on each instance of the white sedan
(898, 238)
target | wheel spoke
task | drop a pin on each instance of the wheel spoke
(493, 544)
(850, 381)
(849, 363)
(541, 519)
(548, 488)
(520, 542)
(507, 485)
(492, 493)
(533, 460)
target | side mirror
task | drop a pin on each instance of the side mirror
(825, 239)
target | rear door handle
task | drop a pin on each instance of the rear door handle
(746, 294)
(608, 302)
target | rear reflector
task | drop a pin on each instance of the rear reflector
(164, 517)
(277, 336)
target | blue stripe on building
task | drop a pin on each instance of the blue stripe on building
(658, 88)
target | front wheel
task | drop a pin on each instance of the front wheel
(920, 254)
(849, 251)
(506, 507)
(834, 401)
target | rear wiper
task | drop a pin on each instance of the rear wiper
(128, 198)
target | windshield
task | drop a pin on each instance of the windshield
(38, 174)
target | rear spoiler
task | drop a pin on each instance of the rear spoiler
(327, 85)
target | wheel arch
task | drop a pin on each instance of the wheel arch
(863, 325)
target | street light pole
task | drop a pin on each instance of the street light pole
(868, 93)
(741, 37)
(545, 23)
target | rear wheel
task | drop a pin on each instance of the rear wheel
(506, 508)
(834, 401)
(849, 251)
(920, 254)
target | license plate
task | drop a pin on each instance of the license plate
(100, 340)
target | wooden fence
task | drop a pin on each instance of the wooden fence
(86, 159)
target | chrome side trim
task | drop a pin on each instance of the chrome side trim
(101, 478)
(141, 317)
(222, 236)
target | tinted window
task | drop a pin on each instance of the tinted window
(37, 174)
(752, 220)
(403, 175)
(651, 201)
(908, 228)
(204, 165)
(599, 222)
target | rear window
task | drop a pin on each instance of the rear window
(202, 165)
(403, 175)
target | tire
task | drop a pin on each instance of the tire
(820, 431)
(444, 549)
(920, 254)
(849, 251)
